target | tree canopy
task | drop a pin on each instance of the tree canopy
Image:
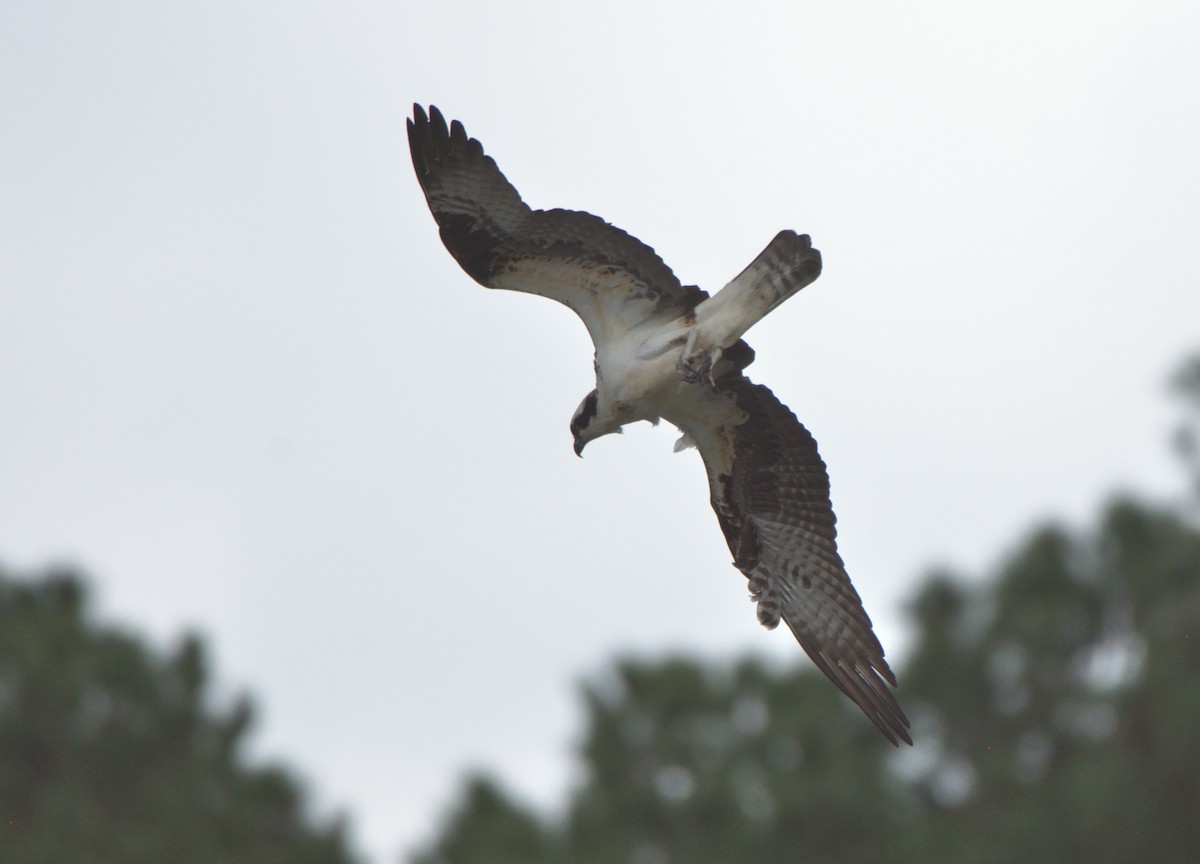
(111, 753)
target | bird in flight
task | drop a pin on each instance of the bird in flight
(670, 351)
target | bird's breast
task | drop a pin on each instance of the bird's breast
(638, 386)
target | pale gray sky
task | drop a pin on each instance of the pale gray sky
(246, 388)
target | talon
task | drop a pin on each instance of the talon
(713, 359)
(695, 366)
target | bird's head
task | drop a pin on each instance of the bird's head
(582, 421)
(587, 425)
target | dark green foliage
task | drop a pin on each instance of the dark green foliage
(109, 753)
(1186, 385)
(1081, 662)
(488, 827)
(700, 764)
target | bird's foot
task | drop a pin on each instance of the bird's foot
(696, 366)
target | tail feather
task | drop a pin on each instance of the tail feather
(787, 264)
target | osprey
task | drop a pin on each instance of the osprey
(670, 351)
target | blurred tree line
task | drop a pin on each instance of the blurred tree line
(1055, 707)
(110, 754)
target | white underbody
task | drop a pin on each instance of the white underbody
(642, 376)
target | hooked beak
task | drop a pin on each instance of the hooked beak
(578, 447)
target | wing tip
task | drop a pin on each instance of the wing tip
(881, 706)
(439, 130)
(865, 681)
(886, 713)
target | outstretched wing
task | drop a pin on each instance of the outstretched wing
(611, 280)
(771, 494)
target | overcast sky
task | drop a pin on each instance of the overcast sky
(246, 388)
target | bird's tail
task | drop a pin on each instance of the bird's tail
(787, 264)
